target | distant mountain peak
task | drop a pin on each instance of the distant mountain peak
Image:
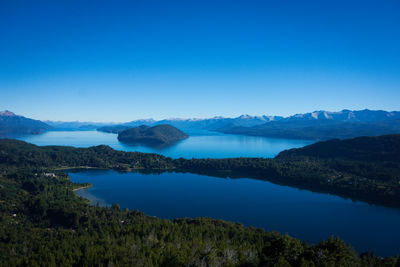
(218, 118)
(11, 124)
(250, 117)
(321, 114)
(7, 113)
(245, 116)
(323, 125)
(346, 115)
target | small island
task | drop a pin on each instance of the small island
(162, 134)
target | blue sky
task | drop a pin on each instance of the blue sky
(125, 60)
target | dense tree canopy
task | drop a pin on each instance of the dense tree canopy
(43, 223)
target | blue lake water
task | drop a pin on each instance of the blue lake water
(200, 144)
(300, 213)
(303, 214)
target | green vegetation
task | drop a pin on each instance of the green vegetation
(364, 168)
(43, 223)
(156, 135)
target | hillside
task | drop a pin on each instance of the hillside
(42, 221)
(323, 125)
(113, 129)
(376, 148)
(11, 124)
(366, 168)
(159, 134)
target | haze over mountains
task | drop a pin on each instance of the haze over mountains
(317, 125)
(324, 125)
(211, 124)
(76, 125)
(216, 123)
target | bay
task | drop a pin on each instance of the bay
(302, 214)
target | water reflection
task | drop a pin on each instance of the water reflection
(199, 144)
(301, 213)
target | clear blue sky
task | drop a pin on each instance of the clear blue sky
(124, 60)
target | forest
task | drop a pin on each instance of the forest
(363, 168)
(43, 222)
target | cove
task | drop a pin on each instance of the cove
(302, 214)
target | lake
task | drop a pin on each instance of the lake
(200, 144)
(303, 214)
(300, 213)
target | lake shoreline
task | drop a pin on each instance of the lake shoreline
(172, 195)
(81, 188)
(207, 144)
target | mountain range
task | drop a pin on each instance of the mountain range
(76, 125)
(211, 124)
(346, 115)
(324, 125)
(317, 125)
(12, 124)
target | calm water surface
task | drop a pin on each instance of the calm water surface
(200, 144)
(303, 214)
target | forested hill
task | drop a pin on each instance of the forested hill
(156, 135)
(367, 148)
(15, 153)
(363, 168)
(318, 129)
(43, 223)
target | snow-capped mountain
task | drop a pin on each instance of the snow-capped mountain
(209, 123)
(7, 113)
(323, 125)
(12, 124)
(214, 123)
(365, 115)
